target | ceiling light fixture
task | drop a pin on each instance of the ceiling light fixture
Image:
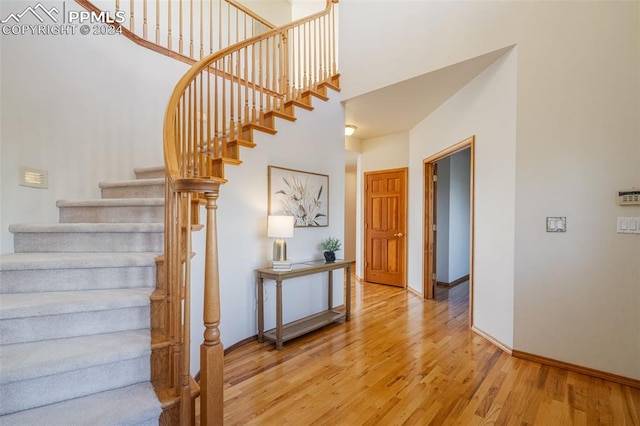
(349, 129)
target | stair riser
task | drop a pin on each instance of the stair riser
(43, 280)
(91, 242)
(29, 394)
(134, 191)
(131, 214)
(31, 329)
(150, 174)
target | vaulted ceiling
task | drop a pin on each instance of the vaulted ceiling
(400, 107)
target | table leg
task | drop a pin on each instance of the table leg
(348, 293)
(260, 303)
(330, 289)
(279, 314)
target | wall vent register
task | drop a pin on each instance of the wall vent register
(629, 197)
(34, 178)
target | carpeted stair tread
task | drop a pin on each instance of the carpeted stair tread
(111, 210)
(132, 405)
(23, 361)
(132, 182)
(86, 227)
(25, 305)
(46, 272)
(87, 237)
(75, 318)
(149, 172)
(111, 202)
(28, 261)
(136, 188)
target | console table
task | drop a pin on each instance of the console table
(284, 332)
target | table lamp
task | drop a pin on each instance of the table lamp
(280, 227)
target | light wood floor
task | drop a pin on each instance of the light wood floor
(403, 360)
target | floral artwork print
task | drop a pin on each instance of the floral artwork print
(299, 194)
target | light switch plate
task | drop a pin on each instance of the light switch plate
(628, 225)
(557, 224)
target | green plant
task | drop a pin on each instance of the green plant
(331, 244)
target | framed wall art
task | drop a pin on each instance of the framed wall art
(303, 195)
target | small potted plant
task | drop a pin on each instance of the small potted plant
(331, 245)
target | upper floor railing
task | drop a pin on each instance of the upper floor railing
(187, 30)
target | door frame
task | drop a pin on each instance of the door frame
(428, 284)
(405, 170)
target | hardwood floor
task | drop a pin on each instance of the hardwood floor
(403, 360)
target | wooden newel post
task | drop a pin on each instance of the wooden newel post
(185, 374)
(211, 353)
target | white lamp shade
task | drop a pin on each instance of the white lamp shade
(280, 226)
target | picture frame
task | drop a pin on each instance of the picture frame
(303, 195)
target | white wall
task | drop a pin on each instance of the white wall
(575, 296)
(460, 215)
(453, 217)
(353, 204)
(314, 143)
(278, 12)
(350, 209)
(84, 108)
(386, 152)
(303, 8)
(442, 220)
(578, 293)
(484, 108)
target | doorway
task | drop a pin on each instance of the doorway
(448, 239)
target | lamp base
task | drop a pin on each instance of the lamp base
(279, 250)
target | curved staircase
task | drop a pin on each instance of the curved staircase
(75, 311)
(95, 310)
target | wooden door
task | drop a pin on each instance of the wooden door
(385, 227)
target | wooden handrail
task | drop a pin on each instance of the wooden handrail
(213, 110)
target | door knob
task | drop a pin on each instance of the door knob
(399, 234)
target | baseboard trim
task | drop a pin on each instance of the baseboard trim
(490, 338)
(240, 343)
(627, 381)
(453, 283)
(622, 380)
(414, 291)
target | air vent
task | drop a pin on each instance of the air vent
(34, 178)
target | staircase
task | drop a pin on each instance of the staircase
(89, 332)
(75, 311)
